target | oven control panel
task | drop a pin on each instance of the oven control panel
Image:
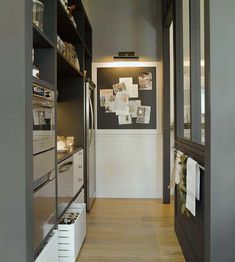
(43, 92)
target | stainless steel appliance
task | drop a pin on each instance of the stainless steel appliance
(44, 182)
(43, 119)
(90, 175)
(43, 134)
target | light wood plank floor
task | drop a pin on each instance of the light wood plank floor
(123, 230)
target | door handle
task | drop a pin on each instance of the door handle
(65, 167)
(92, 122)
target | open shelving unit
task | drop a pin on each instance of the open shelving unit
(44, 43)
(40, 40)
(19, 36)
(70, 80)
(65, 68)
(59, 74)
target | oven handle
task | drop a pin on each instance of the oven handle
(45, 104)
(65, 167)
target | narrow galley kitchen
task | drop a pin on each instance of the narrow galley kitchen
(82, 133)
(128, 221)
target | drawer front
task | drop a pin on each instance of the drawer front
(65, 184)
(44, 206)
(43, 164)
(78, 171)
(43, 144)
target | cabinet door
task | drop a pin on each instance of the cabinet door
(78, 171)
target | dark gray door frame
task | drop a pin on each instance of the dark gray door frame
(195, 72)
(167, 20)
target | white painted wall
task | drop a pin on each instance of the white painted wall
(129, 162)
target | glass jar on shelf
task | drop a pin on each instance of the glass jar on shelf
(38, 14)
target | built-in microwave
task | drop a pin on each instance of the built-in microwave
(43, 119)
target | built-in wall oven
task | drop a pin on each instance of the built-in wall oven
(44, 159)
(43, 119)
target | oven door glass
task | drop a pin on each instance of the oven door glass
(43, 114)
(43, 125)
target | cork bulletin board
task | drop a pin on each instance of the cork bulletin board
(126, 98)
(140, 86)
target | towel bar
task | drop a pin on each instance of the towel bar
(200, 166)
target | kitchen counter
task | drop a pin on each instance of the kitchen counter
(61, 156)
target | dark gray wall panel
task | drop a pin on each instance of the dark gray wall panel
(16, 131)
(221, 142)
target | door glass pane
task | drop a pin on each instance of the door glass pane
(202, 32)
(186, 65)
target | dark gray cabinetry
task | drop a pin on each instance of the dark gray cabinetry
(19, 36)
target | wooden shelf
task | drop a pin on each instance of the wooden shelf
(43, 83)
(65, 68)
(40, 40)
(65, 27)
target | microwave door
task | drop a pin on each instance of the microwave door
(43, 114)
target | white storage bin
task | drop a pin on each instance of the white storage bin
(71, 236)
(50, 251)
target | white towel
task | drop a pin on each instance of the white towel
(175, 175)
(192, 185)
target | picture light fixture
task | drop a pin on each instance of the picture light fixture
(130, 55)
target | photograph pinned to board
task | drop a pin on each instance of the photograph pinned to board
(127, 80)
(124, 120)
(143, 114)
(132, 89)
(121, 108)
(103, 94)
(145, 81)
(119, 87)
(110, 103)
(133, 105)
(123, 96)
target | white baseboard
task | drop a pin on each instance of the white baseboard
(134, 191)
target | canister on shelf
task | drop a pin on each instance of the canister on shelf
(38, 13)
